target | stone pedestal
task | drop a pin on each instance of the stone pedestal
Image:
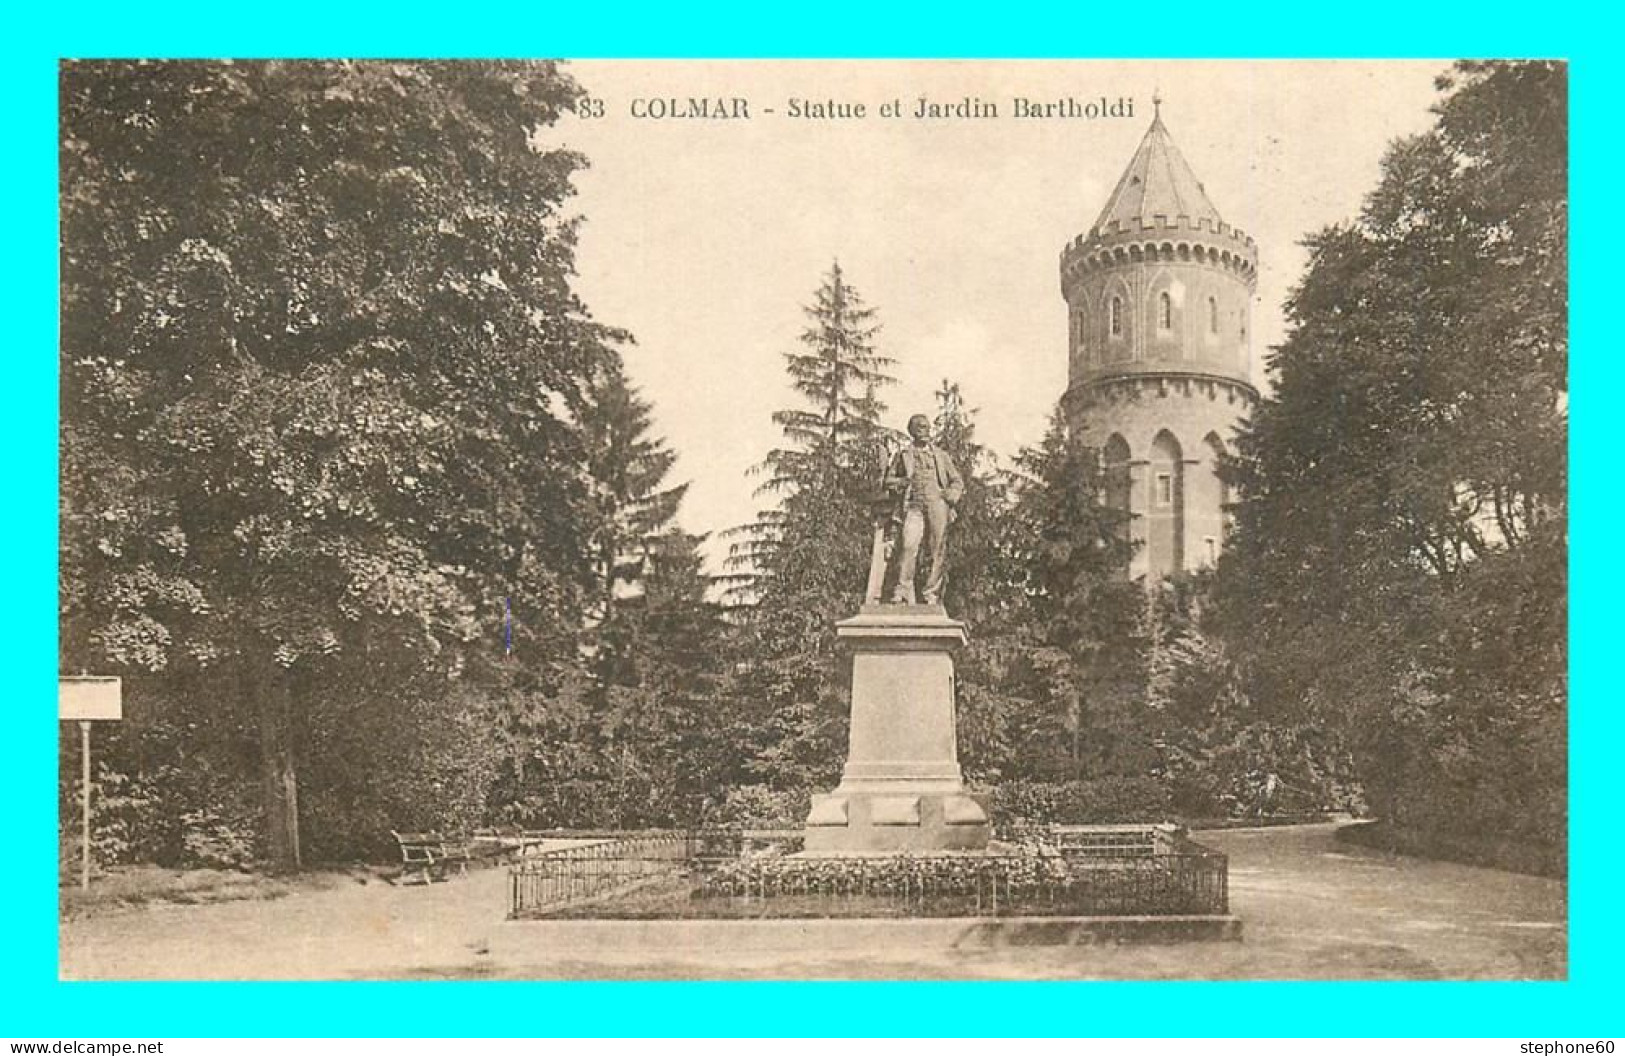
(901, 788)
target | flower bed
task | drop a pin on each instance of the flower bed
(1043, 878)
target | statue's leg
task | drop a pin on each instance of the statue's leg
(913, 531)
(936, 523)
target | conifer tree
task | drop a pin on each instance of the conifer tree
(633, 506)
(1087, 659)
(802, 565)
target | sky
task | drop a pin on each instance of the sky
(705, 238)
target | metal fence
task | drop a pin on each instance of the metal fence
(1081, 871)
(594, 867)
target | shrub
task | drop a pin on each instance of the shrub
(761, 807)
(173, 816)
(429, 768)
(1100, 801)
(219, 842)
(125, 817)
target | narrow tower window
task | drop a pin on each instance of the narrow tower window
(1213, 315)
(1117, 316)
(1165, 311)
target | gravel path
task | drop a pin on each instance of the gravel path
(1313, 909)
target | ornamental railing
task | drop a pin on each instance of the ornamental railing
(1083, 871)
(593, 867)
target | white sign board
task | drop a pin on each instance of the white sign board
(89, 697)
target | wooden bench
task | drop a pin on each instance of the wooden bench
(430, 855)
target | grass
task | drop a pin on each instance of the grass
(121, 888)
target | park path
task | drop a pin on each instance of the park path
(355, 930)
(1313, 908)
(1318, 908)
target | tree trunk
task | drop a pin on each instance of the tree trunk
(280, 786)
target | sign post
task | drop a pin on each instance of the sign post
(87, 698)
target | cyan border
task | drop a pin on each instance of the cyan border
(35, 1004)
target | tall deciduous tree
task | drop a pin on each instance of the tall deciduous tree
(320, 365)
(1398, 568)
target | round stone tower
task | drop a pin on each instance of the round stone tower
(1159, 298)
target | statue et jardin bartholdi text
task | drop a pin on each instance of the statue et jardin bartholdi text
(901, 788)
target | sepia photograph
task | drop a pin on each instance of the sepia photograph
(813, 520)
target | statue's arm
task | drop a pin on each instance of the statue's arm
(896, 478)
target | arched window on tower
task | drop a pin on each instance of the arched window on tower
(1165, 528)
(1117, 316)
(1213, 315)
(1165, 311)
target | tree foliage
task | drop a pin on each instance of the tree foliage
(1084, 638)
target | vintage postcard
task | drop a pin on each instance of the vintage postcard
(814, 520)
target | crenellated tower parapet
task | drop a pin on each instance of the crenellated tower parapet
(1171, 238)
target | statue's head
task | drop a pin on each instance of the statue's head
(919, 427)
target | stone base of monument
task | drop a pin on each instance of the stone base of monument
(858, 822)
(902, 789)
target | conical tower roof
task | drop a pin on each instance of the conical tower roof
(1157, 182)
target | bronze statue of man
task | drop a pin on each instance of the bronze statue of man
(926, 486)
